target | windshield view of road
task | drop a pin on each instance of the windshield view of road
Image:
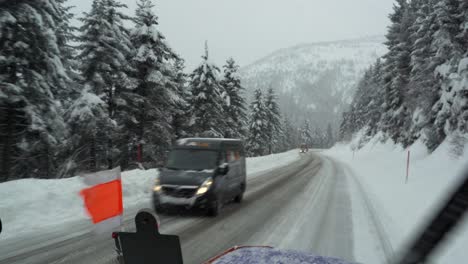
(228, 132)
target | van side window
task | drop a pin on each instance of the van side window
(231, 156)
(223, 158)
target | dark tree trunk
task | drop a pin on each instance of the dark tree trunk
(110, 160)
(92, 153)
(110, 143)
(143, 92)
(7, 123)
(141, 134)
(47, 172)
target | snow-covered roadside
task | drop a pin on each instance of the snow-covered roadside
(404, 208)
(54, 202)
(259, 165)
(31, 205)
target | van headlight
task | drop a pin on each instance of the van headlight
(205, 186)
(157, 186)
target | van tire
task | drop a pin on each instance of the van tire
(215, 208)
(239, 197)
(159, 209)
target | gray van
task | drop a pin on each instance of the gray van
(202, 173)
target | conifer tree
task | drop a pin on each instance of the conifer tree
(207, 102)
(105, 52)
(258, 137)
(273, 119)
(234, 101)
(157, 92)
(32, 74)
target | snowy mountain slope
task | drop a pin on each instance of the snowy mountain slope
(319, 78)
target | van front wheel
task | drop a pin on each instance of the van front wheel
(214, 208)
(239, 198)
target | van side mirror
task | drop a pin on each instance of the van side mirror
(223, 169)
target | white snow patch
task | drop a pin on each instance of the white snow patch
(258, 165)
(312, 106)
(55, 202)
(463, 65)
(405, 207)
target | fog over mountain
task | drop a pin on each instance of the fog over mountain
(314, 81)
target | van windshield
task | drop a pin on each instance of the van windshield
(192, 159)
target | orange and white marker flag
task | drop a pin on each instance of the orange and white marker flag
(103, 199)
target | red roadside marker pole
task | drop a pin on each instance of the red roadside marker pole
(407, 166)
(139, 153)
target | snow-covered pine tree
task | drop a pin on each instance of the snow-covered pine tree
(318, 138)
(330, 139)
(31, 70)
(288, 137)
(365, 111)
(459, 83)
(206, 101)
(157, 91)
(461, 100)
(433, 103)
(65, 36)
(86, 116)
(361, 101)
(306, 134)
(257, 141)
(398, 69)
(448, 53)
(421, 91)
(344, 132)
(422, 51)
(273, 119)
(235, 108)
(181, 120)
(105, 49)
(459, 110)
(376, 93)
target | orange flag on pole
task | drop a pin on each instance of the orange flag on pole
(103, 199)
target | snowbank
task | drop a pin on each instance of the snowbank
(55, 204)
(404, 207)
(259, 165)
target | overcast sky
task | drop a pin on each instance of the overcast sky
(250, 29)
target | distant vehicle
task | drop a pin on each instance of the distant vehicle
(202, 173)
(304, 148)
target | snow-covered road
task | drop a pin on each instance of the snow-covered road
(314, 204)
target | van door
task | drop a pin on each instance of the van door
(233, 158)
(222, 181)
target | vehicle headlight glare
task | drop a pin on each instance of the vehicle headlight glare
(157, 186)
(205, 186)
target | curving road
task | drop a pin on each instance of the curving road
(304, 206)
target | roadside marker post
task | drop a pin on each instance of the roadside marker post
(139, 153)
